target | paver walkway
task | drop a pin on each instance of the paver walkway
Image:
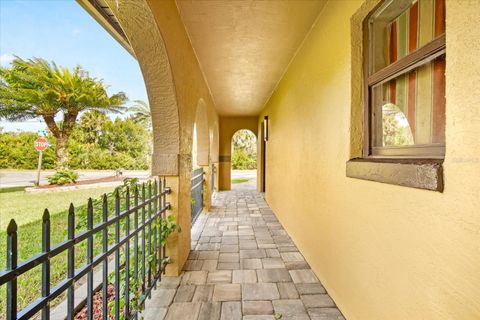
(243, 266)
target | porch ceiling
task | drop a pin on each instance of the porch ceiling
(245, 46)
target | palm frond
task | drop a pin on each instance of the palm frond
(36, 87)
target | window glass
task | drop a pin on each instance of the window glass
(400, 27)
(410, 109)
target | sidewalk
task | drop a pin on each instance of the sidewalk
(243, 266)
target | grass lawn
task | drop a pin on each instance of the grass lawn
(26, 207)
(240, 180)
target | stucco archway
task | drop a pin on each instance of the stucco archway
(140, 27)
(228, 127)
(138, 23)
(203, 141)
(214, 143)
(244, 157)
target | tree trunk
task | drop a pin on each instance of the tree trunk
(62, 136)
(62, 153)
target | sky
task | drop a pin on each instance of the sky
(62, 31)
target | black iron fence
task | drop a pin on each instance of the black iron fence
(132, 238)
(197, 192)
(212, 187)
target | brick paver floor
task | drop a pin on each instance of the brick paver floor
(243, 266)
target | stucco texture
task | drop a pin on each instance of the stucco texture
(382, 251)
(192, 93)
(244, 46)
(178, 97)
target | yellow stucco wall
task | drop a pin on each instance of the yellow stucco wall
(382, 251)
(191, 89)
(228, 127)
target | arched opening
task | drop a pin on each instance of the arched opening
(149, 49)
(244, 160)
(200, 160)
(194, 148)
(214, 147)
(201, 139)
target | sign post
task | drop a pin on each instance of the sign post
(40, 145)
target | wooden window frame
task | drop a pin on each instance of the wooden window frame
(428, 52)
(416, 166)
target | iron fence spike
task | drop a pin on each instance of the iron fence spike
(12, 227)
(46, 215)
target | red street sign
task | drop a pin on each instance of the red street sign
(40, 144)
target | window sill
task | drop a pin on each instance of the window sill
(414, 173)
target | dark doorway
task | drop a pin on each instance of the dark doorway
(264, 160)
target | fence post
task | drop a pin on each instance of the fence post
(46, 263)
(135, 242)
(90, 260)
(117, 254)
(127, 255)
(12, 260)
(164, 216)
(143, 237)
(149, 235)
(155, 227)
(71, 263)
(105, 262)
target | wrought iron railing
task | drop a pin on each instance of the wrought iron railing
(139, 255)
(197, 192)
(212, 182)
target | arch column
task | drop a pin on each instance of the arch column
(203, 150)
(214, 151)
(174, 84)
(207, 191)
(138, 24)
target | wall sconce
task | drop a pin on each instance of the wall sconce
(265, 128)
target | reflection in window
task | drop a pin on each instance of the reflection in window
(419, 96)
(407, 107)
(396, 130)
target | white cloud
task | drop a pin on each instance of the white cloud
(5, 59)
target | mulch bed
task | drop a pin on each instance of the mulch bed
(97, 305)
(83, 182)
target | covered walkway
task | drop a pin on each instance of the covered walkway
(243, 266)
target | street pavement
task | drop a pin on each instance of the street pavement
(20, 178)
(17, 178)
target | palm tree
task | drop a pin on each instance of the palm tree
(141, 113)
(35, 88)
(92, 123)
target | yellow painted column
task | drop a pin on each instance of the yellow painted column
(224, 173)
(207, 187)
(216, 177)
(178, 244)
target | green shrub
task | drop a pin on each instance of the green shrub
(244, 156)
(17, 152)
(63, 177)
(119, 143)
(241, 160)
